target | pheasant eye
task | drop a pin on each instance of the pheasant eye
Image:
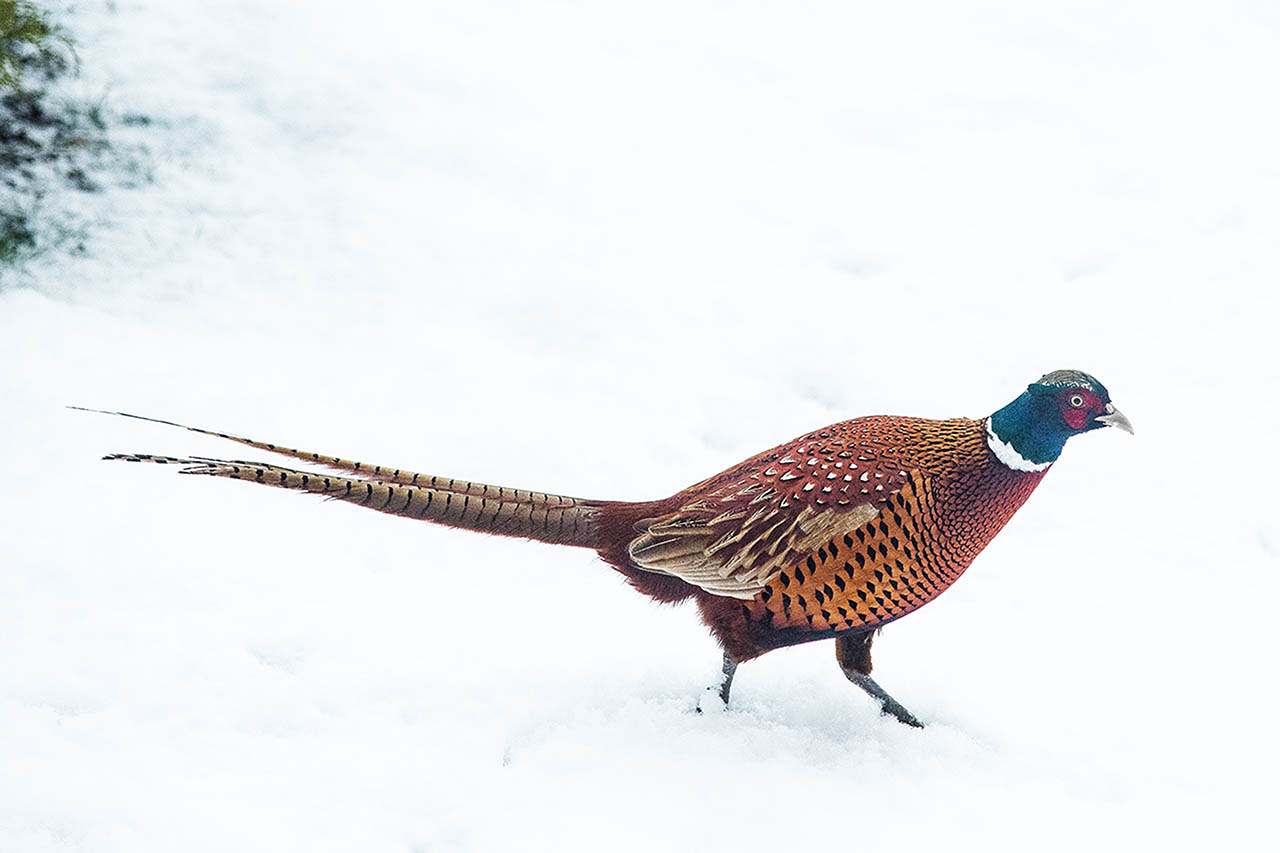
(1077, 401)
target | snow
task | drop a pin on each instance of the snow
(607, 250)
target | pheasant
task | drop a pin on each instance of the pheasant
(831, 535)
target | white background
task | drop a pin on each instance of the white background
(607, 250)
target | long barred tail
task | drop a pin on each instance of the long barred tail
(458, 503)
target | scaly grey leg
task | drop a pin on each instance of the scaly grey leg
(727, 669)
(853, 653)
(888, 705)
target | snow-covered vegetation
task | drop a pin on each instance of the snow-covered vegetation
(606, 250)
(53, 138)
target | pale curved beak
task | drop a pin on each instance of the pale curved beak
(1111, 416)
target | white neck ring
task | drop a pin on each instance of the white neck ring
(1006, 453)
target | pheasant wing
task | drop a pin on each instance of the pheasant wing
(736, 553)
(737, 530)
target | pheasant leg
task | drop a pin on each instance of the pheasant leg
(727, 669)
(853, 653)
(888, 705)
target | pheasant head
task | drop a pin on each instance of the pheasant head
(1029, 433)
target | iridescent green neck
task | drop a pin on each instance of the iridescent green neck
(1027, 435)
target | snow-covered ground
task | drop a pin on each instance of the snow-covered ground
(606, 250)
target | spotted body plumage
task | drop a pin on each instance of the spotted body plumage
(910, 505)
(832, 535)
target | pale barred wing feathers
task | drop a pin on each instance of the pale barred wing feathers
(743, 526)
(736, 552)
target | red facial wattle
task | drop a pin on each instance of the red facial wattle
(1077, 416)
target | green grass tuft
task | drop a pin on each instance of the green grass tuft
(30, 46)
(52, 145)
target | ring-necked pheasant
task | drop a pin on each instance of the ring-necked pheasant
(830, 535)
